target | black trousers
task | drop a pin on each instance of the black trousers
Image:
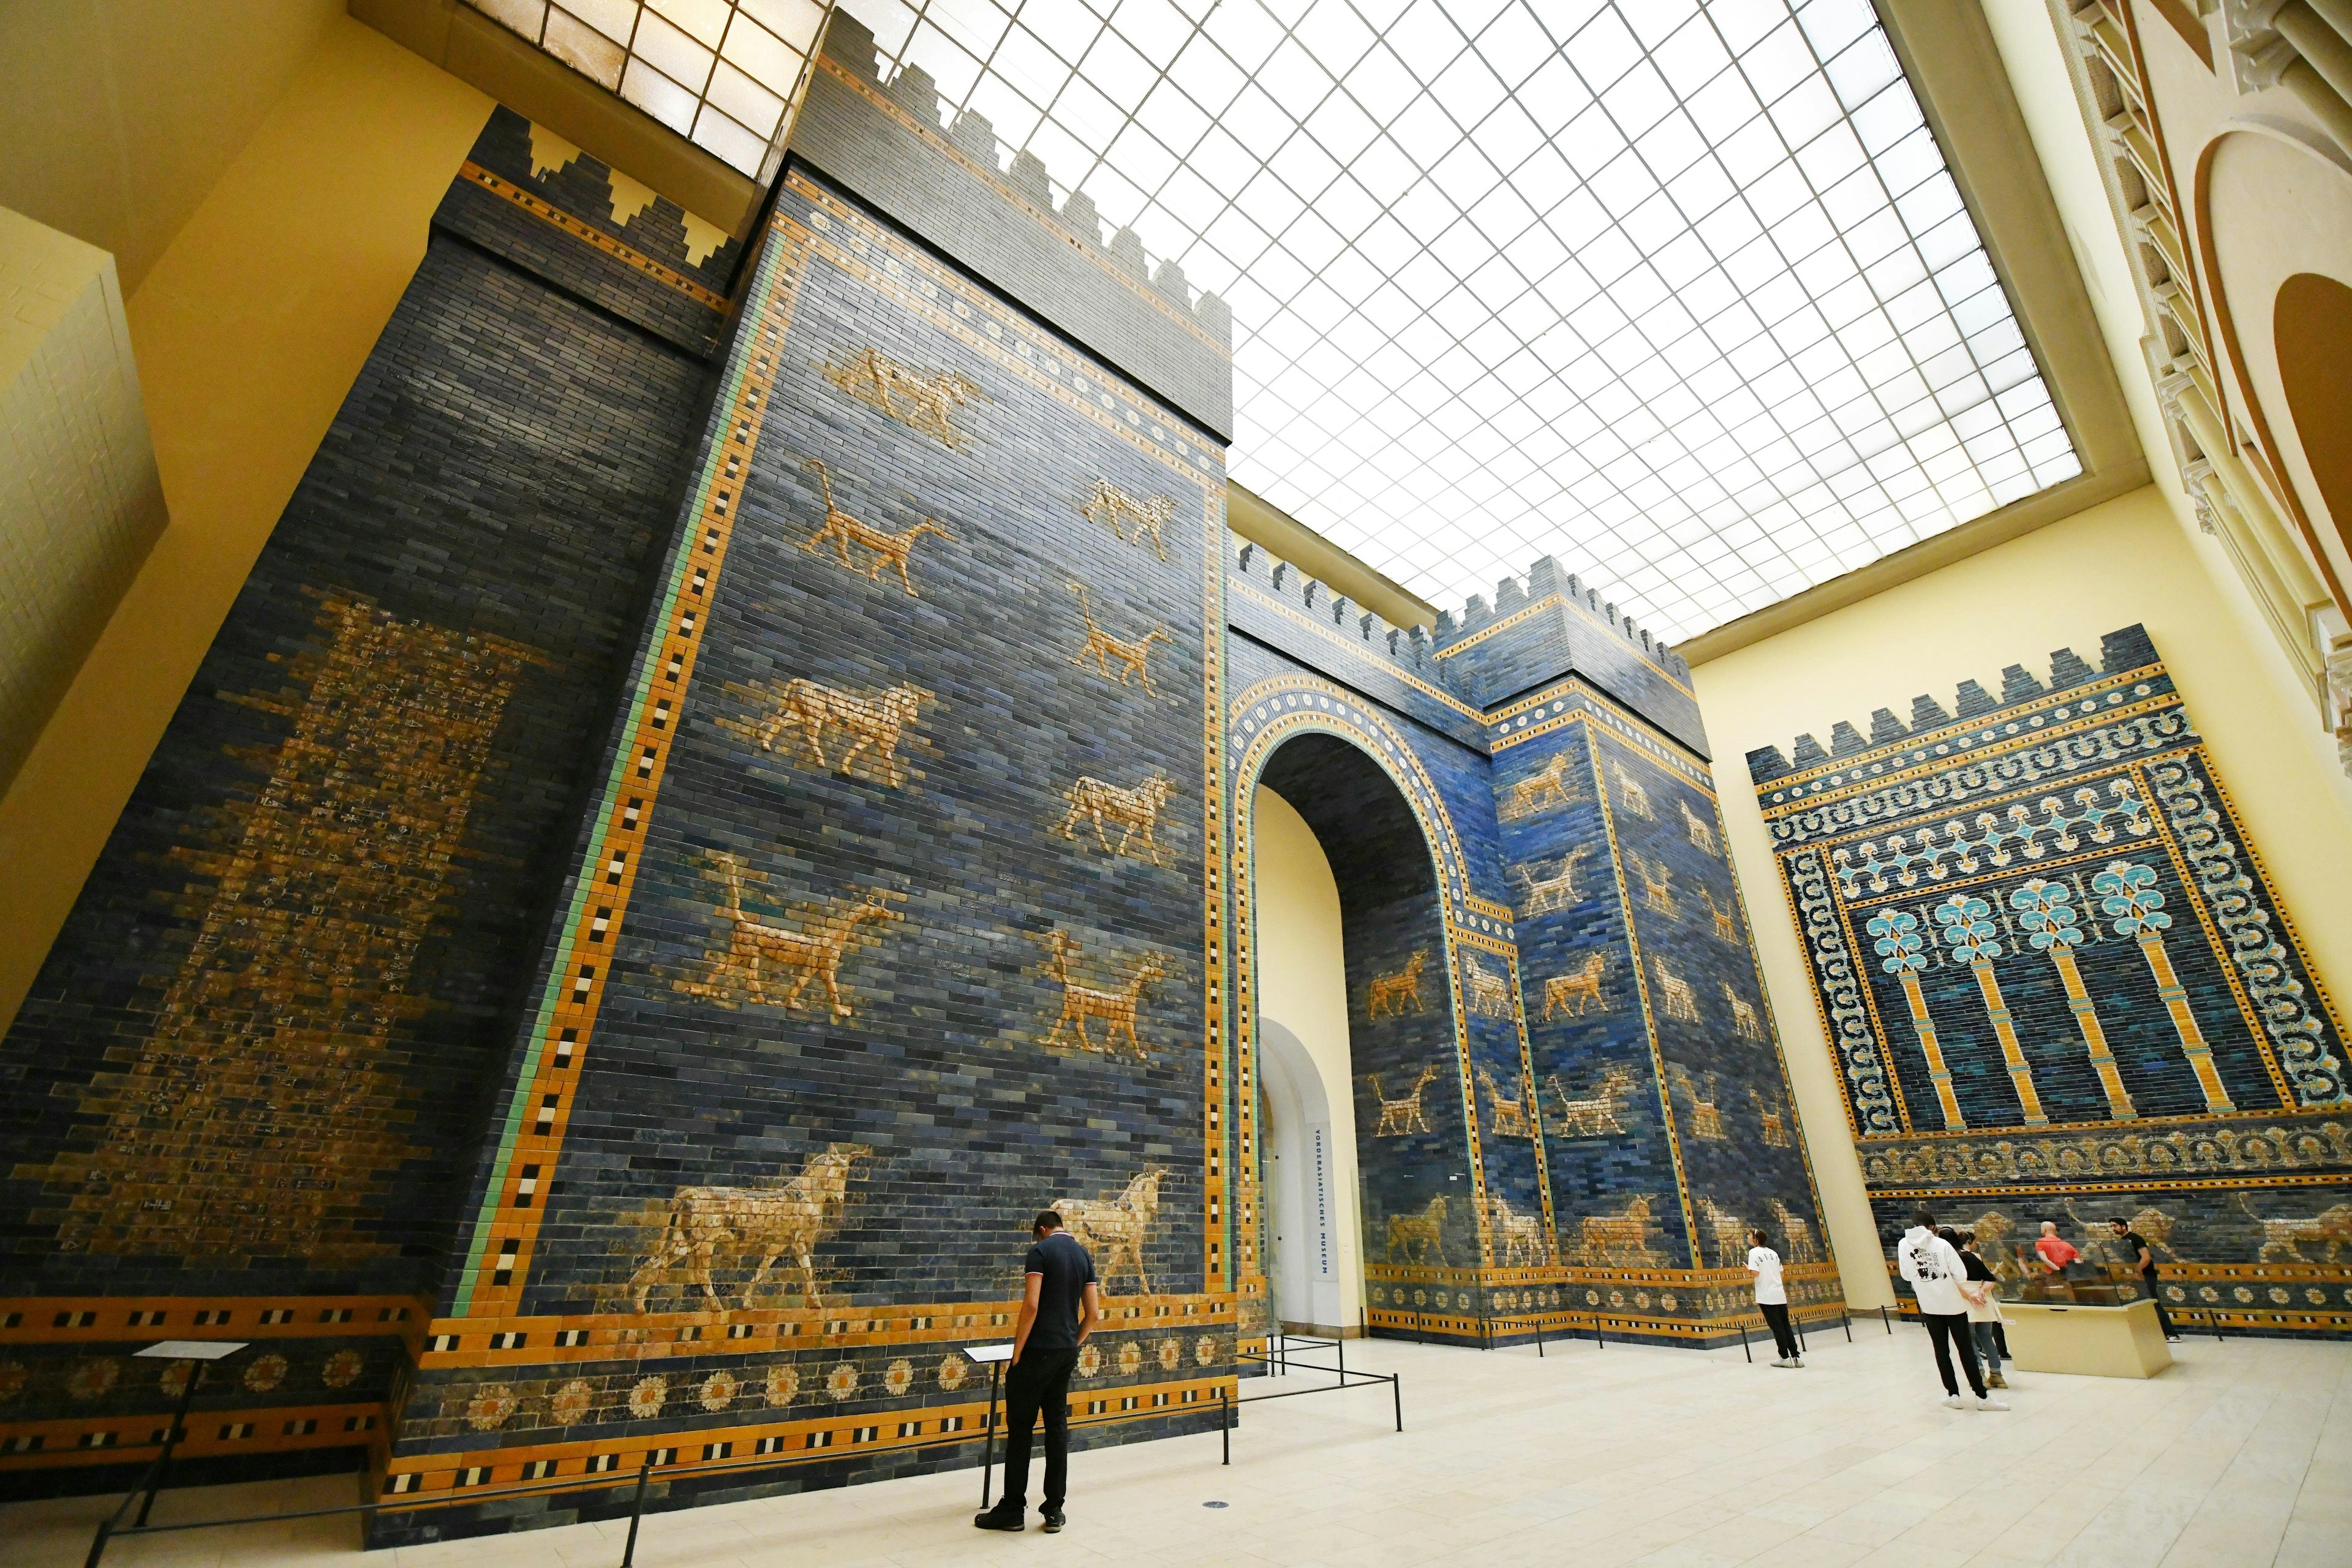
(1039, 1383)
(2163, 1318)
(1950, 1330)
(1784, 1338)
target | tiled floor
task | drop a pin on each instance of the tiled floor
(2242, 1454)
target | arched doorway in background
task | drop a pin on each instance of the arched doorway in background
(1347, 894)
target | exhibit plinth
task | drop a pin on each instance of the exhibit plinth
(2090, 1341)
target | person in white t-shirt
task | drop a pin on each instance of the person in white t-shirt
(1934, 1271)
(1773, 1298)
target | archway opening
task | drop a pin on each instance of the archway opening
(1358, 1067)
(2312, 325)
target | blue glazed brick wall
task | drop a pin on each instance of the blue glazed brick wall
(947, 1074)
(2061, 988)
(249, 1077)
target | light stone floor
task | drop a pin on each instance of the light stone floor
(2242, 1454)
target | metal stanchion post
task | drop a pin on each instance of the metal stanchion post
(1341, 1345)
(636, 1512)
(1884, 1323)
(170, 1441)
(1743, 1343)
(1847, 1317)
(988, 1445)
(1539, 1350)
(1225, 1425)
(1396, 1392)
(98, 1542)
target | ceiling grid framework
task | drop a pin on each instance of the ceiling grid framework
(721, 73)
(1680, 293)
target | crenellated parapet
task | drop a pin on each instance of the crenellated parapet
(2021, 689)
(1556, 625)
(950, 182)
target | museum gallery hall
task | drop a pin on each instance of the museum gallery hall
(1501, 781)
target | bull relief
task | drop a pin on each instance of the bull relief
(706, 1224)
(924, 401)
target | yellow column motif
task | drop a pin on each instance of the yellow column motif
(1969, 932)
(1902, 944)
(2128, 893)
(2053, 926)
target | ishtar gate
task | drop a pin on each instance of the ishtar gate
(1486, 685)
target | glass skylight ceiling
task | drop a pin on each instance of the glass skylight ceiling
(720, 72)
(1680, 294)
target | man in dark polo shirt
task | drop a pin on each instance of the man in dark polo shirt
(1059, 1308)
(2144, 1257)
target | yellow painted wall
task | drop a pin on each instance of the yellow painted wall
(1302, 980)
(119, 116)
(2126, 560)
(249, 328)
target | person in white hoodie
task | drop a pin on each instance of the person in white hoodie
(1933, 1268)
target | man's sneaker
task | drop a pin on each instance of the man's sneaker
(1994, 1380)
(1952, 1402)
(1785, 1361)
(999, 1518)
(1989, 1403)
(1053, 1521)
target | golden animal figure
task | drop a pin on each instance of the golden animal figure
(1115, 1229)
(889, 549)
(1771, 1119)
(1657, 882)
(1547, 893)
(770, 1223)
(1390, 993)
(1582, 987)
(876, 722)
(1595, 1117)
(1744, 1018)
(1679, 1002)
(1421, 1238)
(2283, 1238)
(1797, 1231)
(1727, 1231)
(1508, 1117)
(1518, 1238)
(1726, 917)
(1129, 810)
(813, 954)
(923, 401)
(1080, 1003)
(1115, 509)
(1706, 1117)
(1134, 658)
(1490, 994)
(1701, 831)
(1398, 1117)
(1539, 790)
(1619, 1239)
(1992, 1227)
(1636, 798)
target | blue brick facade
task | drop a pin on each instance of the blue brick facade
(788, 802)
(2060, 987)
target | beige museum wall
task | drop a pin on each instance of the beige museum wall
(1302, 983)
(2126, 560)
(251, 312)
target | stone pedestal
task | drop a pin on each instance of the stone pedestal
(2090, 1341)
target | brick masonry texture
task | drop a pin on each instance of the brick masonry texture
(2060, 986)
(248, 1080)
(664, 870)
(945, 185)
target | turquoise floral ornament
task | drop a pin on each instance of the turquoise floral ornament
(2129, 894)
(1969, 928)
(2046, 910)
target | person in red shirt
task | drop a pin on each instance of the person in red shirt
(2055, 1250)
